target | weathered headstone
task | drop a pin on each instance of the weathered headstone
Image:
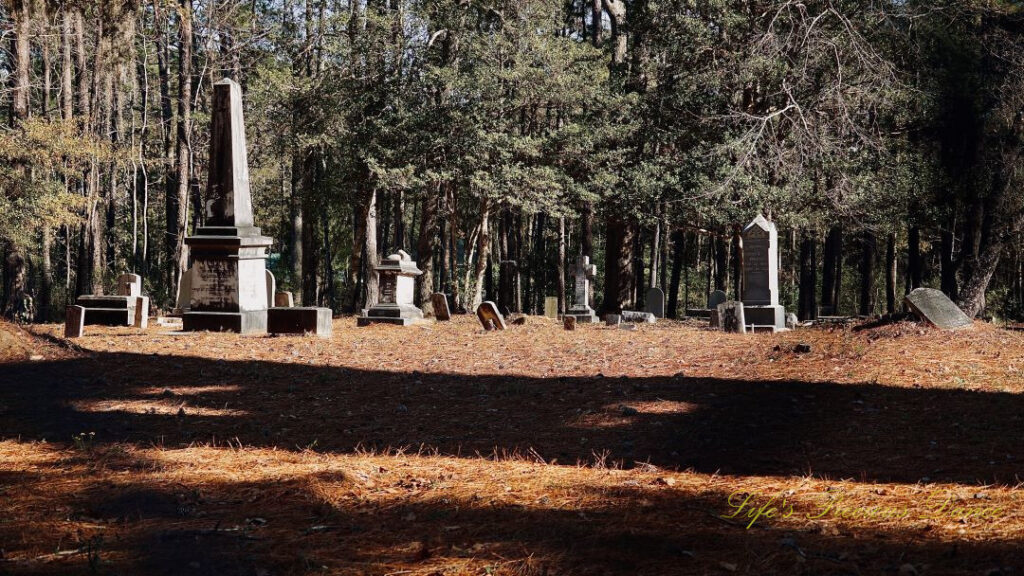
(229, 282)
(583, 272)
(141, 312)
(74, 322)
(300, 320)
(489, 316)
(936, 308)
(284, 299)
(731, 316)
(612, 319)
(761, 275)
(637, 316)
(129, 285)
(440, 304)
(715, 298)
(655, 302)
(397, 283)
(271, 289)
(551, 307)
(569, 322)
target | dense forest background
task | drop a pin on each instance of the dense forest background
(498, 140)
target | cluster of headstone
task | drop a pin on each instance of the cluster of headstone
(126, 308)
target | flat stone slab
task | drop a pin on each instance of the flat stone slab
(636, 316)
(300, 320)
(936, 308)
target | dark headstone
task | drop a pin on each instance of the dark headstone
(74, 322)
(612, 319)
(300, 320)
(655, 302)
(936, 308)
(489, 316)
(731, 317)
(569, 322)
(439, 301)
(284, 299)
(141, 312)
(715, 298)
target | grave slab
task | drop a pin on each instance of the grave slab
(934, 307)
(300, 320)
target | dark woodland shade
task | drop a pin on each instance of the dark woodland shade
(229, 202)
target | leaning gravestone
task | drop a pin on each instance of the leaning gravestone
(655, 302)
(74, 322)
(439, 300)
(933, 306)
(141, 312)
(551, 307)
(489, 316)
(229, 283)
(584, 272)
(732, 318)
(761, 275)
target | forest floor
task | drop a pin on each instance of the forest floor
(441, 449)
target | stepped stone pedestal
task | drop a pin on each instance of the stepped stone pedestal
(397, 281)
(228, 289)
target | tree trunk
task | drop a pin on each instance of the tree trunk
(425, 247)
(808, 306)
(483, 252)
(182, 145)
(890, 274)
(618, 265)
(831, 271)
(736, 258)
(22, 64)
(66, 92)
(867, 273)
(915, 264)
(678, 257)
(561, 265)
(655, 254)
(372, 258)
(948, 282)
(721, 262)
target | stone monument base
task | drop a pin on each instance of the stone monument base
(399, 314)
(108, 310)
(248, 322)
(299, 320)
(759, 318)
(583, 314)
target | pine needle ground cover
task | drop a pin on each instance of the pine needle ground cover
(442, 449)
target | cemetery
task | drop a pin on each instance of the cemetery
(531, 290)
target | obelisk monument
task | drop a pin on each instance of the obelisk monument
(229, 288)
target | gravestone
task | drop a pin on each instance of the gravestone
(612, 319)
(637, 316)
(761, 275)
(300, 320)
(489, 316)
(439, 300)
(129, 285)
(936, 308)
(229, 281)
(569, 322)
(141, 312)
(732, 317)
(655, 302)
(551, 307)
(271, 289)
(74, 322)
(715, 298)
(397, 283)
(284, 299)
(583, 272)
(108, 310)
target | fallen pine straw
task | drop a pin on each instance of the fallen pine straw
(445, 450)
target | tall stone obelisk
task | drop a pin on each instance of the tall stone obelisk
(229, 288)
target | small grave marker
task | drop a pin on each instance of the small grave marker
(933, 306)
(439, 300)
(74, 322)
(489, 316)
